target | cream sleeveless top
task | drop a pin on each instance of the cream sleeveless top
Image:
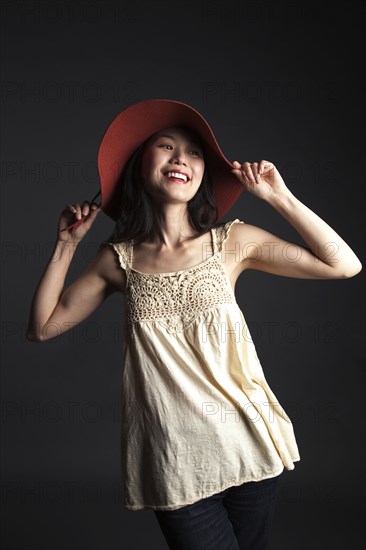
(198, 415)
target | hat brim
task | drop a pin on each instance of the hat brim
(137, 123)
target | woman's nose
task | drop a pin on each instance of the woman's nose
(178, 158)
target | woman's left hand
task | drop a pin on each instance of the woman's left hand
(261, 179)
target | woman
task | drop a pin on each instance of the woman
(204, 439)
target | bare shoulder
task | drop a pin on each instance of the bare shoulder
(252, 245)
(243, 237)
(249, 237)
(244, 230)
(106, 265)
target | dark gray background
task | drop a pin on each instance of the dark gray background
(276, 80)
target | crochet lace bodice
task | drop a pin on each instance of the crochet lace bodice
(175, 299)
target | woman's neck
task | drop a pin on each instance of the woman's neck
(171, 229)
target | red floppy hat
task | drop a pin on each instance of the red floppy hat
(136, 124)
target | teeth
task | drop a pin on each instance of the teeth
(177, 175)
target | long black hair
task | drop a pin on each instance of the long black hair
(139, 220)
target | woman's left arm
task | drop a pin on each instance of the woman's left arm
(329, 255)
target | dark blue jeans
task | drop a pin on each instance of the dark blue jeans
(238, 518)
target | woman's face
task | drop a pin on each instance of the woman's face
(172, 165)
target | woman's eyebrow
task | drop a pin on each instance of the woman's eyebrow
(192, 141)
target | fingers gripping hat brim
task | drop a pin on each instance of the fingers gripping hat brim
(137, 123)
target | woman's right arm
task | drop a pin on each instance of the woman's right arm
(55, 310)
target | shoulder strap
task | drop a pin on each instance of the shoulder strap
(123, 251)
(222, 232)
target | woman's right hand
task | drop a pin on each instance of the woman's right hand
(71, 214)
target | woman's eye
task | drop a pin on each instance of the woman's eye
(195, 153)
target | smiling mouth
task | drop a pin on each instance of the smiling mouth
(177, 177)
